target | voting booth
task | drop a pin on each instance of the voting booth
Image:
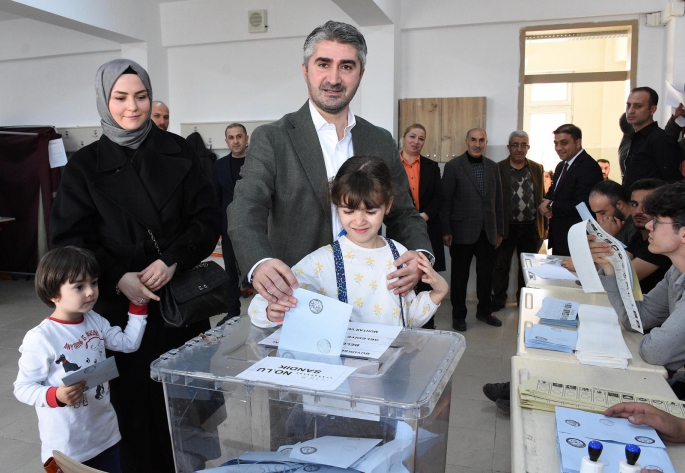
(402, 399)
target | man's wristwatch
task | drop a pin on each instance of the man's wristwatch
(431, 258)
(549, 205)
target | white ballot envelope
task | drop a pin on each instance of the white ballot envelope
(340, 452)
(318, 324)
(93, 375)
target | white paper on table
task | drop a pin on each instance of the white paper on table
(318, 324)
(599, 336)
(558, 309)
(340, 452)
(552, 271)
(93, 375)
(57, 155)
(602, 428)
(291, 372)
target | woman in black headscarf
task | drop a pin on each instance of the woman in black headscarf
(135, 180)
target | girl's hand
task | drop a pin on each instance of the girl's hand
(70, 395)
(157, 275)
(136, 292)
(431, 277)
(275, 311)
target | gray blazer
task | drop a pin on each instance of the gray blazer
(466, 211)
(281, 206)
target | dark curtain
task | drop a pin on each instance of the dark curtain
(25, 175)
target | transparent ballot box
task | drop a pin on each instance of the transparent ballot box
(402, 399)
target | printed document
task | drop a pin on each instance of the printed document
(291, 372)
(318, 324)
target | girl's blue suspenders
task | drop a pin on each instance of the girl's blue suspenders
(340, 273)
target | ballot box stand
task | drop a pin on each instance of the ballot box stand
(215, 416)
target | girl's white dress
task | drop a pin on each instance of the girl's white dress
(366, 271)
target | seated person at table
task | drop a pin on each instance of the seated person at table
(649, 267)
(609, 203)
(362, 192)
(663, 309)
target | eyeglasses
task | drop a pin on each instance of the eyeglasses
(520, 145)
(655, 222)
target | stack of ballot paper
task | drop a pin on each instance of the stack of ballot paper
(558, 312)
(544, 394)
(600, 341)
(551, 338)
(576, 429)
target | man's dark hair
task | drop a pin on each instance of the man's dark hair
(653, 96)
(571, 129)
(602, 160)
(234, 125)
(624, 125)
(647, 184)
(338, 32)
(668, 201)
(61, 266)
(613, 191)
(363, 180)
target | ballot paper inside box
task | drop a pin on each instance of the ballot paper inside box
(216, 417)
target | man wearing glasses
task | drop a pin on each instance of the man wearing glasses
(663, 308)
(524, 227)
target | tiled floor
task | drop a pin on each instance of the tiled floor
(479, 438)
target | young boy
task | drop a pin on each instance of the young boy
(81, 424)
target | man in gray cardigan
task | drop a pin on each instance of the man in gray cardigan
(663, 308)
(281, 210)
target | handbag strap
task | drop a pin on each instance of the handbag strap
(340, 273)
(155, 242)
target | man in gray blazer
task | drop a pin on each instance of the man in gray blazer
(473, 224)
(281, 209)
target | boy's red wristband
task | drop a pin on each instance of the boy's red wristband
(137, 309)
(51, 398)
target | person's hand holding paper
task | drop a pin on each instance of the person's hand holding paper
(600, 252)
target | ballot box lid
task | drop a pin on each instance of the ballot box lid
(407, 381)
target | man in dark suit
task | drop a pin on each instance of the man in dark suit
(472, 221)
(574, 178)
(281, 210)
(226, 175)
(524, 227)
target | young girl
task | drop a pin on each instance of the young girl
(81, 424)
(355, 267)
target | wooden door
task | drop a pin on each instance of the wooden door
(427, 113)
(446, 121)
(459, 115)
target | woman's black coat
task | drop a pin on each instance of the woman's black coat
(103, 204)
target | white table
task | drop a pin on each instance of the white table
(529, 260)
(531, 302)
(533, 435)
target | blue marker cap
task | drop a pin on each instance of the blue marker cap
(594, 450)
(632, 454)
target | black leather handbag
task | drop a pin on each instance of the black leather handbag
(194, 295)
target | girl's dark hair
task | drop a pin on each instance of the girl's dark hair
(363, 180)
(60, 266)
